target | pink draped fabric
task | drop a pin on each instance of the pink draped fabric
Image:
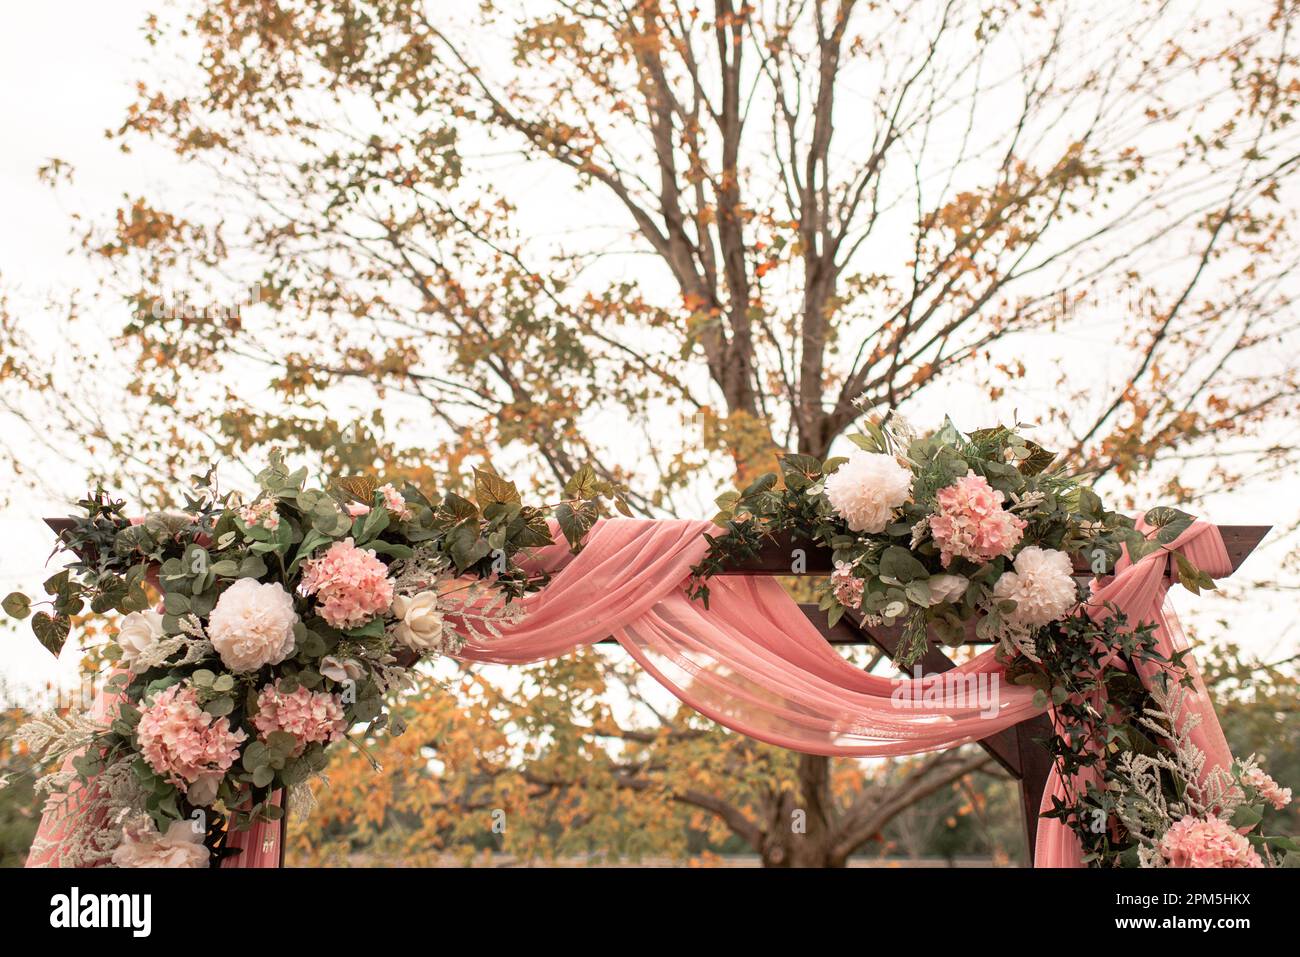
(1139, 589)
(751, 661)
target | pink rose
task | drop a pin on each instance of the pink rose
(143, 846)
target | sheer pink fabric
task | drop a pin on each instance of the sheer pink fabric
(1139, 590)
(751, 661)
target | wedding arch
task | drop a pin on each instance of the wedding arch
(284, 621)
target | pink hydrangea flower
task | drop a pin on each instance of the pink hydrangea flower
(310, 716)
(184, 743)
(1268, 789)
(846, 585)
(970, 522)
(350, 584)
(1198, 842)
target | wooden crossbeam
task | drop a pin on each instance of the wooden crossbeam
(1019, 749)
(777, 556)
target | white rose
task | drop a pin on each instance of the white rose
(138, 631)
(143, 846)
(947, 587)
(252, 625)
(866, 490)
(420, 625)
(1042, 586)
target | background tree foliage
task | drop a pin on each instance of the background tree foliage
(672, 239)
(549, 771)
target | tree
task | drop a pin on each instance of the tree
(808, 211)
(19, 807)
(1257, 702)
(550, 770)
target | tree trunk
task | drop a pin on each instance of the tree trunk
(800, 833)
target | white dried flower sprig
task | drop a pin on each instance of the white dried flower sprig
(89, 815)
(192, 640)
(1030, 500)
(422, 571)
(52, 736)
(480, 611)
(1141, 804)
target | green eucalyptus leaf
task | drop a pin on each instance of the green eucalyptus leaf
(901, 565)
(220, 707)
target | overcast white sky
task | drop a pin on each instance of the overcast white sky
(65, 72)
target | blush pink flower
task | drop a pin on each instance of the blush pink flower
(143, 846)
(1198, 842)
(1268, 789)
(184, 743)
(394, 502)
(310, 716)
(350, 584)
(253, 625)
(262, 513)
(970, 522)
(846, 585)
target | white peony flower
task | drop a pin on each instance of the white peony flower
(866, 490)
(1042, 586)
(947, 587)
(252, 625)
(420, 626)
(143, 846)
(139, 630)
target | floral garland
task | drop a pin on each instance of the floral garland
(284, 623)
(934, 533)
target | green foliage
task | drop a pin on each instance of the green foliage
(217, 540)
(895, 565)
